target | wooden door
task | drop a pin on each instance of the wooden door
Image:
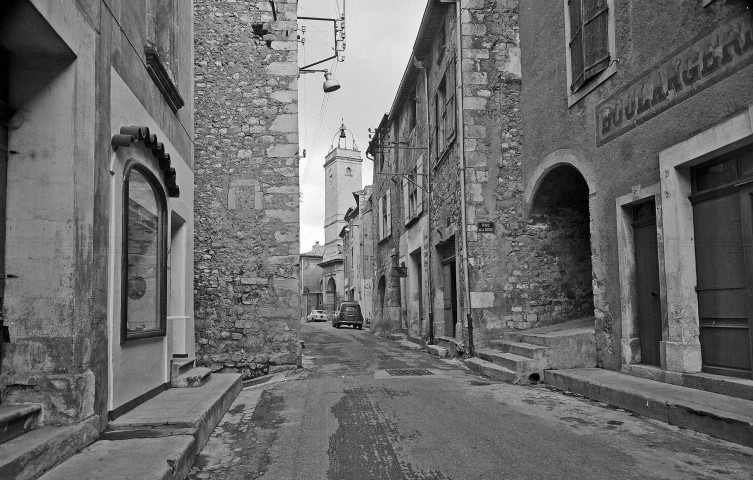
(723, 234)
(648, 303)
(449, 296)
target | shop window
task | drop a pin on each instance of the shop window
(590, 44)
(144, 263)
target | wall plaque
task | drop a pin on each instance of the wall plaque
(485, 227)
(700, 63)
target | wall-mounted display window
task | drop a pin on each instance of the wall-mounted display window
(144, 262)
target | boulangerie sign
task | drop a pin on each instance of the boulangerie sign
(697, 65)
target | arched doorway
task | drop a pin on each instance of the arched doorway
(330, 299)
(560, 212)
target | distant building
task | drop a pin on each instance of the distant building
(342, 176)
(638, 165)
(358, 249)
(247, 196)
(311, 280)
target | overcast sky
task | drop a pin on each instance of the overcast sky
(379, 40)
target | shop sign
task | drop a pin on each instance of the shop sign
(697, 65)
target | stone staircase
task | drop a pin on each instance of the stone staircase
(523, 356)
(184, 373)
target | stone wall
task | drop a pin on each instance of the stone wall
(247, 197)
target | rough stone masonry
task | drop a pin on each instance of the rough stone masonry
(247, 196)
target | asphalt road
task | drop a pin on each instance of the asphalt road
(366, 408)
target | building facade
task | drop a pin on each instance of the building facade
(342, 176)
(447, 188)
(247, 196)
(358, 248)
(638, 138)
(311, 280)
(96, 229)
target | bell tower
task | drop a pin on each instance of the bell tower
(342, 176)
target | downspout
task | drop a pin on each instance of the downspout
(461, 146)
(422, 66)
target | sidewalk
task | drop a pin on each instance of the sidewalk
(720, 416)
(157, 440)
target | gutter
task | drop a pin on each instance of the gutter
(461, 146)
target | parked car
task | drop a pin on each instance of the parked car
(316, 316)
(349, 313)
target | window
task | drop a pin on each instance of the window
(144, 261)
(589, 28)
(444, 111)
(413, 193)
(411, 113)
(385, 216)
(161, 49)
(348, 172)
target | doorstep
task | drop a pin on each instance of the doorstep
(159, 439)
(720, 416)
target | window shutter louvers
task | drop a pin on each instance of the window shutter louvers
(595, 37)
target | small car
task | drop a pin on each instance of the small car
(349, 313)
(316, 316)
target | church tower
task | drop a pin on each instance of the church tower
(342, 177)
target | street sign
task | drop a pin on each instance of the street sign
(485, 227)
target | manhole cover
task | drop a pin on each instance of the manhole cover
(408, 372)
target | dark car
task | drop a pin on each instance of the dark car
(349, 313)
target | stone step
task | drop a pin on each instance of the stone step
(16, 420)
(529, 350)
(194, 377)
(717, 415)
(396, 337)
(569, 345)
(181, 365)
(516, 363)
(491, 370)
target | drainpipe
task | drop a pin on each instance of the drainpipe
(422, 66)
(461, 146)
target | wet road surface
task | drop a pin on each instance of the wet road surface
(365, 408)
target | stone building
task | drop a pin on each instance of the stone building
(358, 249)
(246, 250)
(448, 182)
(96, 222)
(637, 152)
(311, 280)
(342, 172)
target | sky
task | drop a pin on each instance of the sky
(379, 37)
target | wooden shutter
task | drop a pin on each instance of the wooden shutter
(420, 181)
(381, 218)
(595, 37)
(450, 102)
(389, 215)
(576, 45)
(406, 206)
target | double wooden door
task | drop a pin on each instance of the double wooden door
(724, 262)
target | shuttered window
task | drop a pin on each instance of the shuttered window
(444, 111)
(589, 40)
(385, 216)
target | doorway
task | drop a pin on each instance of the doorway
(449, 287)
(723, 224)
(648, 302)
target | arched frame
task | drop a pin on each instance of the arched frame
(160, 197)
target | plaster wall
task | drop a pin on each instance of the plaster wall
(631, 160)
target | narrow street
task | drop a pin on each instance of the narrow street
(365, 408)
